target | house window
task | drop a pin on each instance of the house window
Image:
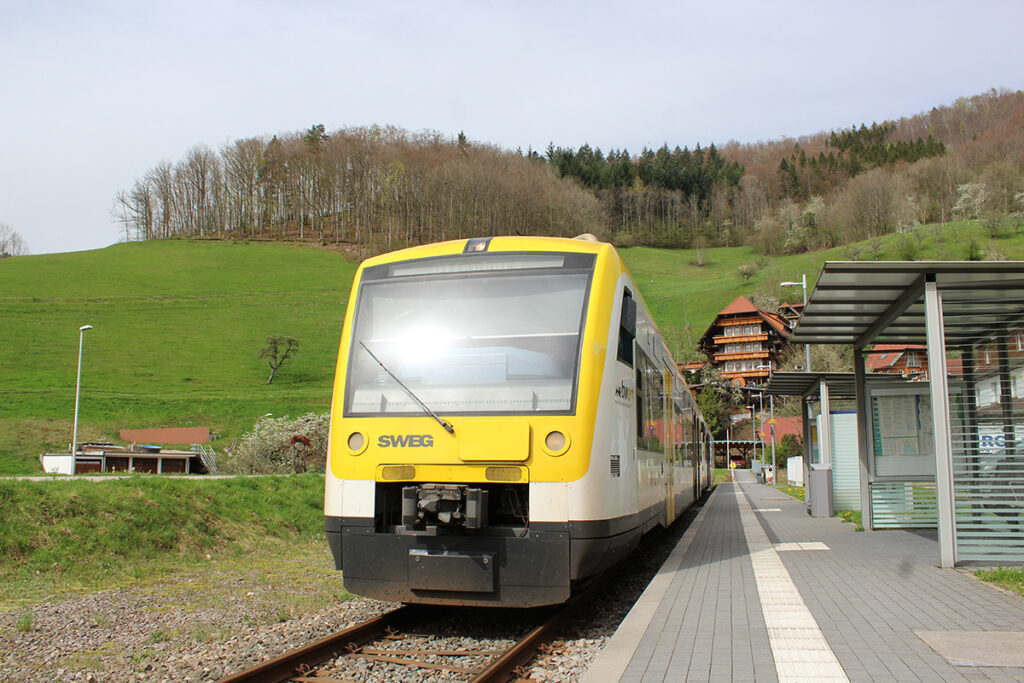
(912, 360)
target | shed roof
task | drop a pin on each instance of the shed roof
(857, 302)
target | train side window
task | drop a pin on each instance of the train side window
(641, 417)
(627, 329)
(650, 409)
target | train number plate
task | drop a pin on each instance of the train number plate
(473, 572)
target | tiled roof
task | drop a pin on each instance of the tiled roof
(740, 304)
(890, 354)
(776, 321)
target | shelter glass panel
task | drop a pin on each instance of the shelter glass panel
(987, 430)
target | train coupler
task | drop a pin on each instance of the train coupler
(443, 505)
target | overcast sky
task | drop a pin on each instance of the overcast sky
(95, 92)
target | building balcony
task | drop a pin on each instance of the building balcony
(746, 374)
(752, 320)
(759, 337)
(741, 355)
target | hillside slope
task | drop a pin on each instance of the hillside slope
(178, 325)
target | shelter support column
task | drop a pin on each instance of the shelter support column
(805, 421)
(864, 444)
(825, 425)
(936, 342)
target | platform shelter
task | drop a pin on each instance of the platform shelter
(962, 434)
(832, 444)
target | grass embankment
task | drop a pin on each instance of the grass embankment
(71, 536)
(1006, 577)
(178, 326)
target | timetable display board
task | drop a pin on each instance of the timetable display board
(903, 435)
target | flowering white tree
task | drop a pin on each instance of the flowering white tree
(281, 446)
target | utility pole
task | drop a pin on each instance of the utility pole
(807, 347)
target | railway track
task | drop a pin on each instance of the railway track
(396, 638)
(314, 663)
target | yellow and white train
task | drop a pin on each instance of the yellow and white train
(506, 422)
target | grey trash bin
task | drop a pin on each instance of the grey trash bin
(819, 490)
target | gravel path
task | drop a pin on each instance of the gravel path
(205, 625)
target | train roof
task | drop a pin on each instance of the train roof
(494, 244)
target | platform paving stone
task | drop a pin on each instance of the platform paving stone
(702, 618)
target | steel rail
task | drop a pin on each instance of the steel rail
(504, 668)
(297, 662)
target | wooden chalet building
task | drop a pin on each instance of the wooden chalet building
(744, 341)
(908, 360)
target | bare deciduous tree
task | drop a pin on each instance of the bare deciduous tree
(277, 350)
(11, 243)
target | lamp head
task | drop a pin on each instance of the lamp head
(791, 284)
(83, 328)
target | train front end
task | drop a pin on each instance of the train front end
(464, 401)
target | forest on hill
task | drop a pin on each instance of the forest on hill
(385, 188)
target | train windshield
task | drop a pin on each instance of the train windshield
(477, 333)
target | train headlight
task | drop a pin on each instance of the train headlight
(356, 443)
(398, 472)
(556, 443)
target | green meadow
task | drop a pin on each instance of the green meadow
(178, 326)
(684, 297)
(177, 330)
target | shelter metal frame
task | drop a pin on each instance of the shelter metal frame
(942, 305)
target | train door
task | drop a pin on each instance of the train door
(697, 456)
(671, 439)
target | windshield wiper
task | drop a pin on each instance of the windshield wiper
(444, 423)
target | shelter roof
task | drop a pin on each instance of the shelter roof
(840, 384)
(857, 302)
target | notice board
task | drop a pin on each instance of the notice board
(903, 435)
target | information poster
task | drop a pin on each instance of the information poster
(903, 437)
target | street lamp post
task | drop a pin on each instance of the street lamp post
(760, 410)
(771, 414)
(78, 387)
(753, 433)
(771, 434)
(807, 347)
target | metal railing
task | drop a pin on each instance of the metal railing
(207, 455)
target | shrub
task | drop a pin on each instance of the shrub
(624, 239)
(282, 446)
(993, 225)
(854, 252)
(907, 248)
(973, 250)
(789, 447)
